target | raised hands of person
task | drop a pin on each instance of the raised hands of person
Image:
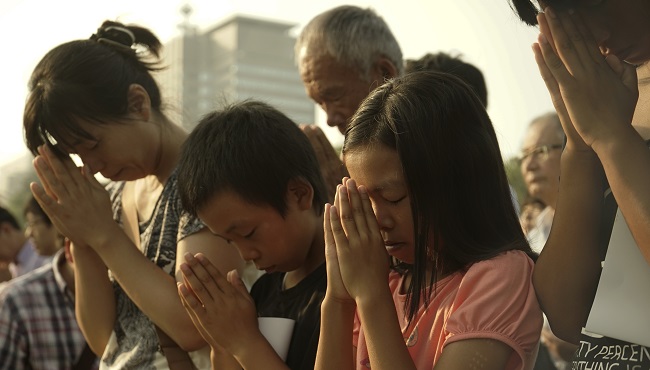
(362, 259)
(574, 141)
(335, 289)
(219, 306)
(74, 200)
(331, 166)
(597, 94)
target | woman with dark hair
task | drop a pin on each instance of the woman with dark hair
(428, 188)
(97, 98)
(593, 56)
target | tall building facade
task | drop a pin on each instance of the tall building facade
(239, 58)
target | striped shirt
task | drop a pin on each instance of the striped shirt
(38, 329)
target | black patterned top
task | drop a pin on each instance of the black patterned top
(134, 343)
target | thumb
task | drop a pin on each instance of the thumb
(236, 281)
(86, 170)
(89, 174)
(625, 71)
(630, 78)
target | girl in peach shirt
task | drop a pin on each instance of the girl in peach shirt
(427, 208)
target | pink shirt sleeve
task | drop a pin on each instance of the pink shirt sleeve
(496, 300)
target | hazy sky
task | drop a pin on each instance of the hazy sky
(485, 32)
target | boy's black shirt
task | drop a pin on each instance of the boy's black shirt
(301, 303)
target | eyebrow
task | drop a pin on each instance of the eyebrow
(236, 224)
(535, 147)
(331, 90)
(394, 183)
(219, 236)
(231, 228)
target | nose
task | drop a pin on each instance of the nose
(247, 251)
(334, 118)
(598, 30)
(529, 163)
(601, 34)
(385, 219)
(92, 162)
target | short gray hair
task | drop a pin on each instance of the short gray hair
(550, 118)
(354, 36)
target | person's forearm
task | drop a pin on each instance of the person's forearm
(626, 160)
(384, 339)
(94, 299)
(335, 341)
(259, 355)
(152, 290)
(220, 359)
(567, 271)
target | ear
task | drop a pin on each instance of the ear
(384, 68)
(300, 193)
(67, 249)
(138, 101)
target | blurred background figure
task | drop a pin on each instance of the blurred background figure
(17, 253)
(37, 309)
(45, 237)
(540, 166)
(343, 54)
(530, 209)
(443, 62)
(467, 72)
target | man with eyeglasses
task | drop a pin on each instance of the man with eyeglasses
(39, 229)
(540, 166)
(16, 250)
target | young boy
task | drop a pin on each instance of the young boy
(250, 174)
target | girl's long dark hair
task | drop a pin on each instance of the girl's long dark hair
(461, 202)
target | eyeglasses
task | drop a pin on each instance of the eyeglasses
(540, 153)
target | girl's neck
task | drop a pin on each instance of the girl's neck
(171, 140)
(408, 277)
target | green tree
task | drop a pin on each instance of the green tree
(19, 194)
(515, 178)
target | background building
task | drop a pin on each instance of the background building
(239, 58)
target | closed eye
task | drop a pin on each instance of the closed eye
(221, 236)
(93, 145)
(83, 147)
(250, 234)
(396, 201)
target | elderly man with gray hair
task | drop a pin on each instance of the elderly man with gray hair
(343, 54)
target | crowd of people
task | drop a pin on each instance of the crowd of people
(406, 250)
